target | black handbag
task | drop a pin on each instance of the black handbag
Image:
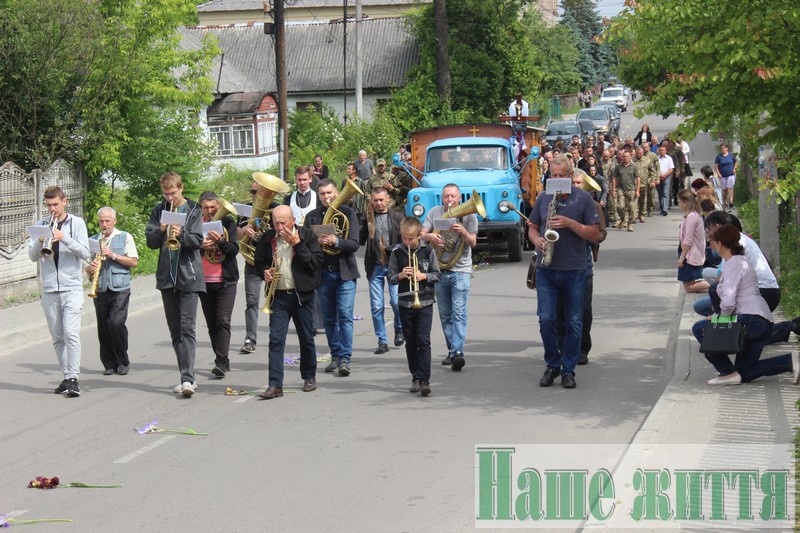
(530, 279)
(723, 335)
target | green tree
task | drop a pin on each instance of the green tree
(594, 57)
(556, 55)
(740, 67)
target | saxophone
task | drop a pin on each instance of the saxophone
(96, 276)
(550, 235)
(272, 286)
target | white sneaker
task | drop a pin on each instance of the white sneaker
(179, 387)
(731, 379)
(187, 389)
(796, 367)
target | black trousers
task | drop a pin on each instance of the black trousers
(217, 303)
(417, 332)
(111, 309)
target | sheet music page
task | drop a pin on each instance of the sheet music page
(214, 225)
(94, 246)
(324, 229)
(559, 186)
(243, 209)
(173, 219)
(39, 232)
(443, 224)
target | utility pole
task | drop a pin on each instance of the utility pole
(280, 77)
(442, 55)
(359, 64)
(344, 60)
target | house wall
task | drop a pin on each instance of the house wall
(337, 102)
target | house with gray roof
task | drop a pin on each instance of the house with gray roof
(243, 118)
(218, 12)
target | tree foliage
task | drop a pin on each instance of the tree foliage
(102, 83)
(595, 58)
(556, 55)
(730, 63)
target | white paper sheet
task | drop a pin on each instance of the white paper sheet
(94, 246)
(214, 225)
(37, 232)
(324, 229)
(443, 224)
(243, 209)
(559, 186)
(173, 219)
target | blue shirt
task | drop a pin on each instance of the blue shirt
(725, 164)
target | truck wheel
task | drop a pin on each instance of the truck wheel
(515, 247)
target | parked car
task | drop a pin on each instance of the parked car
(615, 95)
(615, 116)
(587, 125)
(564, 129)
(600, 119)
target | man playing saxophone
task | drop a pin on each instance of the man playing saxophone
(112, 269)
(221, 271)
(299, 255)
(576, 221)
(337, 290)
(452, 289)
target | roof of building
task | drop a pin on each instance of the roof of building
(251, 5)
(314, 56)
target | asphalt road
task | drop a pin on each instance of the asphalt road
(360, 453)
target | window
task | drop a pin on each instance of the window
(309, 106)
(267, 143)
(233, 140)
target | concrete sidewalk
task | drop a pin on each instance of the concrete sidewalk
(25, 324)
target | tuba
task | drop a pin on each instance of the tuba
(270, 186)
(336, 217)
(214, 255)
(473, 205)
(172, 240)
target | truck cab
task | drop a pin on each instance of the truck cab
(484, 164)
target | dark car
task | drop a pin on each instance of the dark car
(564, 129)
(588, 126)
(600, 117)
(614, 110)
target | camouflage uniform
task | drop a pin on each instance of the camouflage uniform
(608, 169)
(648, 173)
(625, 186)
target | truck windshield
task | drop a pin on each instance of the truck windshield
(467, 158)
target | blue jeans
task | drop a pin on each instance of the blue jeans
(451, 295)
(338, 297)
(666, 190)
(568, 286)
(757, 331)
(376, 302)
(287, 306)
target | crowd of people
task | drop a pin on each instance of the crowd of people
(304, 263)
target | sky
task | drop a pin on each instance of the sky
(609, 8)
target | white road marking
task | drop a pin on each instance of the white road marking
(145, 449)
(242, 399)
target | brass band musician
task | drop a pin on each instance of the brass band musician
(113, 291)
(295, 253)
(221, 271)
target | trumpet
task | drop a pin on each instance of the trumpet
(272, 286)
(413, 282)
(172, 240)
(47, 246)
(99, 257)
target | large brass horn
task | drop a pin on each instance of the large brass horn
(336, 217)
(473, 205)
(269, 186)
(214, 255)
(589, 184)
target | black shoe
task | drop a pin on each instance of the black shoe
(73, 390)
(447, 361)
(424, 388)
(62, 389)
(458, 361)
(549, 376)
(249, 346)
(398, 338)
(344, 368)
(414, 386)
(109, 372)
(122, 370)
(796, 325)
(218, 371)
(664, 213)
(568, 381)
(333, 366)
(309, 385)
(382, 348)
(583, 359)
